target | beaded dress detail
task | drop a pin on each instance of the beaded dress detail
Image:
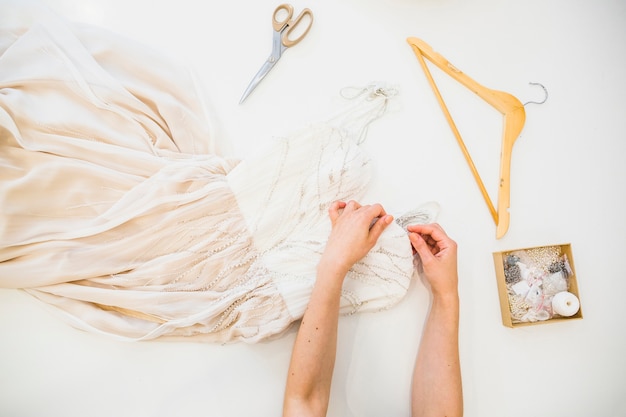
(118, 209)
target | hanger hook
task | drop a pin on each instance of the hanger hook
(544, 90)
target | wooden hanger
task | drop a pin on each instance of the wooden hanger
(514, 117)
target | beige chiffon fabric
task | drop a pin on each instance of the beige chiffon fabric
(118, 209)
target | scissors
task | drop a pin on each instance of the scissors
(283, 28)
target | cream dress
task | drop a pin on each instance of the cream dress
(118, 209)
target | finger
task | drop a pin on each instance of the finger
(373, 213)
(377, 210)
(434, 235)
(334, 210)
(425, 228)
(352, 206)
(433, 245)
(380, 225)
(433, 232)
(421, 247)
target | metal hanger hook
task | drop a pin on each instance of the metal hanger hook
(544, 90)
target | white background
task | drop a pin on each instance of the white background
(568, 186)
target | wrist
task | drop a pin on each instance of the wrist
(447, 300)
(333, 267)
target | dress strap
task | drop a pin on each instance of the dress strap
(370, 103)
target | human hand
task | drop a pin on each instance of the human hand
(438, 254)
(355, 230)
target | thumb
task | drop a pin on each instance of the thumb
(380, 225)
(420, 246)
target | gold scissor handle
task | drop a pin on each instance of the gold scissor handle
(286, 25)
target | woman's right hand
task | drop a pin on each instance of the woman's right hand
(355, 230)
(438, 254)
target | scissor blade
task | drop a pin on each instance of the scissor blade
(267, 66)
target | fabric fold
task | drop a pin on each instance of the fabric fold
(119, 210)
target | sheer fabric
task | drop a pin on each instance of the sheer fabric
(118, 209)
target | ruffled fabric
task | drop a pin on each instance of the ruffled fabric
(119, 210)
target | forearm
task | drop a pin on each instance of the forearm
(437, 389)
(313, 358)
(355, 231)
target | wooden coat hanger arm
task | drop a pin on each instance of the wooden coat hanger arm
(513, 125)
(514, 119)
